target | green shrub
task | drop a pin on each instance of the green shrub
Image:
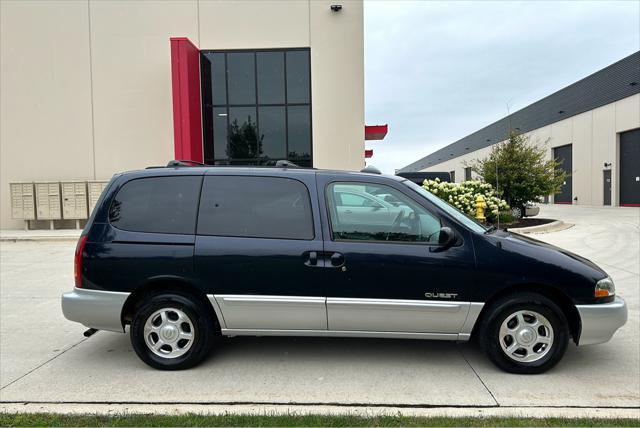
(506, 217)
(463, 196)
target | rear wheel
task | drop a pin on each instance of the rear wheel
(172, 332)
(525, 333)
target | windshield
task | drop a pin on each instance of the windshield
(449, 209)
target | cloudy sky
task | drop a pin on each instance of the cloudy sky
(438, 71)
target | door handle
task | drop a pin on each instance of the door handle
(311, 258)
(348, 211)
(336, 259)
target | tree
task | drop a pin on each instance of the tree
(521, 170)
(244, 142)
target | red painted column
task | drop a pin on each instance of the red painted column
(187, 108)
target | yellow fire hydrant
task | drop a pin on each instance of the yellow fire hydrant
(481, 205)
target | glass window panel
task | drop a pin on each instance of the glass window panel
(205, 77)
(157, 205)
(299, 128)
(241, 75)
(257, 207)
(273, 132)
(298, 77)
(220, 133)
(270, 77)
(243, 134)
(207, 133)
(218, 79)
(374, 212)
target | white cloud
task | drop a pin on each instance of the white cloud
(437, 71)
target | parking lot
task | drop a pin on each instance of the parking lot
(46, 359)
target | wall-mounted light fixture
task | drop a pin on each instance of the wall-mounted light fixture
(336, 7)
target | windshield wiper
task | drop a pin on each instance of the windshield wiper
(491, 229)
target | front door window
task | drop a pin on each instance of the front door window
(374, 212)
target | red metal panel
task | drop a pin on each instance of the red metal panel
(375, 132)
(187, 114)
(368, 154)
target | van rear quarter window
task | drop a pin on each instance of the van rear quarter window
(157, 205)
(257, 207)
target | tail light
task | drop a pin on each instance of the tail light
(77, 261)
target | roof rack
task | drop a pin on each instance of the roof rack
(286, 164)
(176, 163)
(371, 170)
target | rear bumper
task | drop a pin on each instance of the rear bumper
(600, 322)
(96, 309)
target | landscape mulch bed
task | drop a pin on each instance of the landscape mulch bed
(526, 222)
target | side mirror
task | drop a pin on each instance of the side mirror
(446, 239)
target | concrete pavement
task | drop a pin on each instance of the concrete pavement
(45, 360)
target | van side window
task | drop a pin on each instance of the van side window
(157, 205)
(256, 207)
(381, 213)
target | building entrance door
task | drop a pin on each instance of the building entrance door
(606, 185)
(630, 168)
(563, 155)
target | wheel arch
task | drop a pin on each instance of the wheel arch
(553, 293)
(165, 284)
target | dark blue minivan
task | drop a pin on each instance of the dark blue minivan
(185, 254)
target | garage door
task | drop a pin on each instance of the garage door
(563, 155)
(630, 168)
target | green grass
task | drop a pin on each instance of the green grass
(48, 419)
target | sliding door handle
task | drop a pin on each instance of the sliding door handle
(311, 258)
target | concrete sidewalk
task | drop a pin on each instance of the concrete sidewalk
(40, 235)
(45, 360)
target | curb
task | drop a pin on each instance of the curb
(554, 226)
(110, 409)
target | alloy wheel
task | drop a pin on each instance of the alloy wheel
(526, 336)
(169, 333)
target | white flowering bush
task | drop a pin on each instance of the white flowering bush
(463, 196)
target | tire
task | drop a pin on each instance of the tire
(524, 333)
(517, 213)
(180, 328)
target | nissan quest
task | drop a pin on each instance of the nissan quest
(181, 255)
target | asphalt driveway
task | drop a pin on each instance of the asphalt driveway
(45, 359)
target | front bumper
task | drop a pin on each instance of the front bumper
(94, 308)
(600, 322)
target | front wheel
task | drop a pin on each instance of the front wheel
(525, 334)
(171, 331)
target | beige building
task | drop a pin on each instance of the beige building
(91, 88)
(592, 126)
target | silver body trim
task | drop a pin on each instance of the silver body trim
(252, 315)
(217, 310)
(393, 315)
(94, 308)
(341, 333)
(474, 312)
(600, 322)
(272, 312)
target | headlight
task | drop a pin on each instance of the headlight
(605, 288)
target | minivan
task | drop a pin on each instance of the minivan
(185, 254)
